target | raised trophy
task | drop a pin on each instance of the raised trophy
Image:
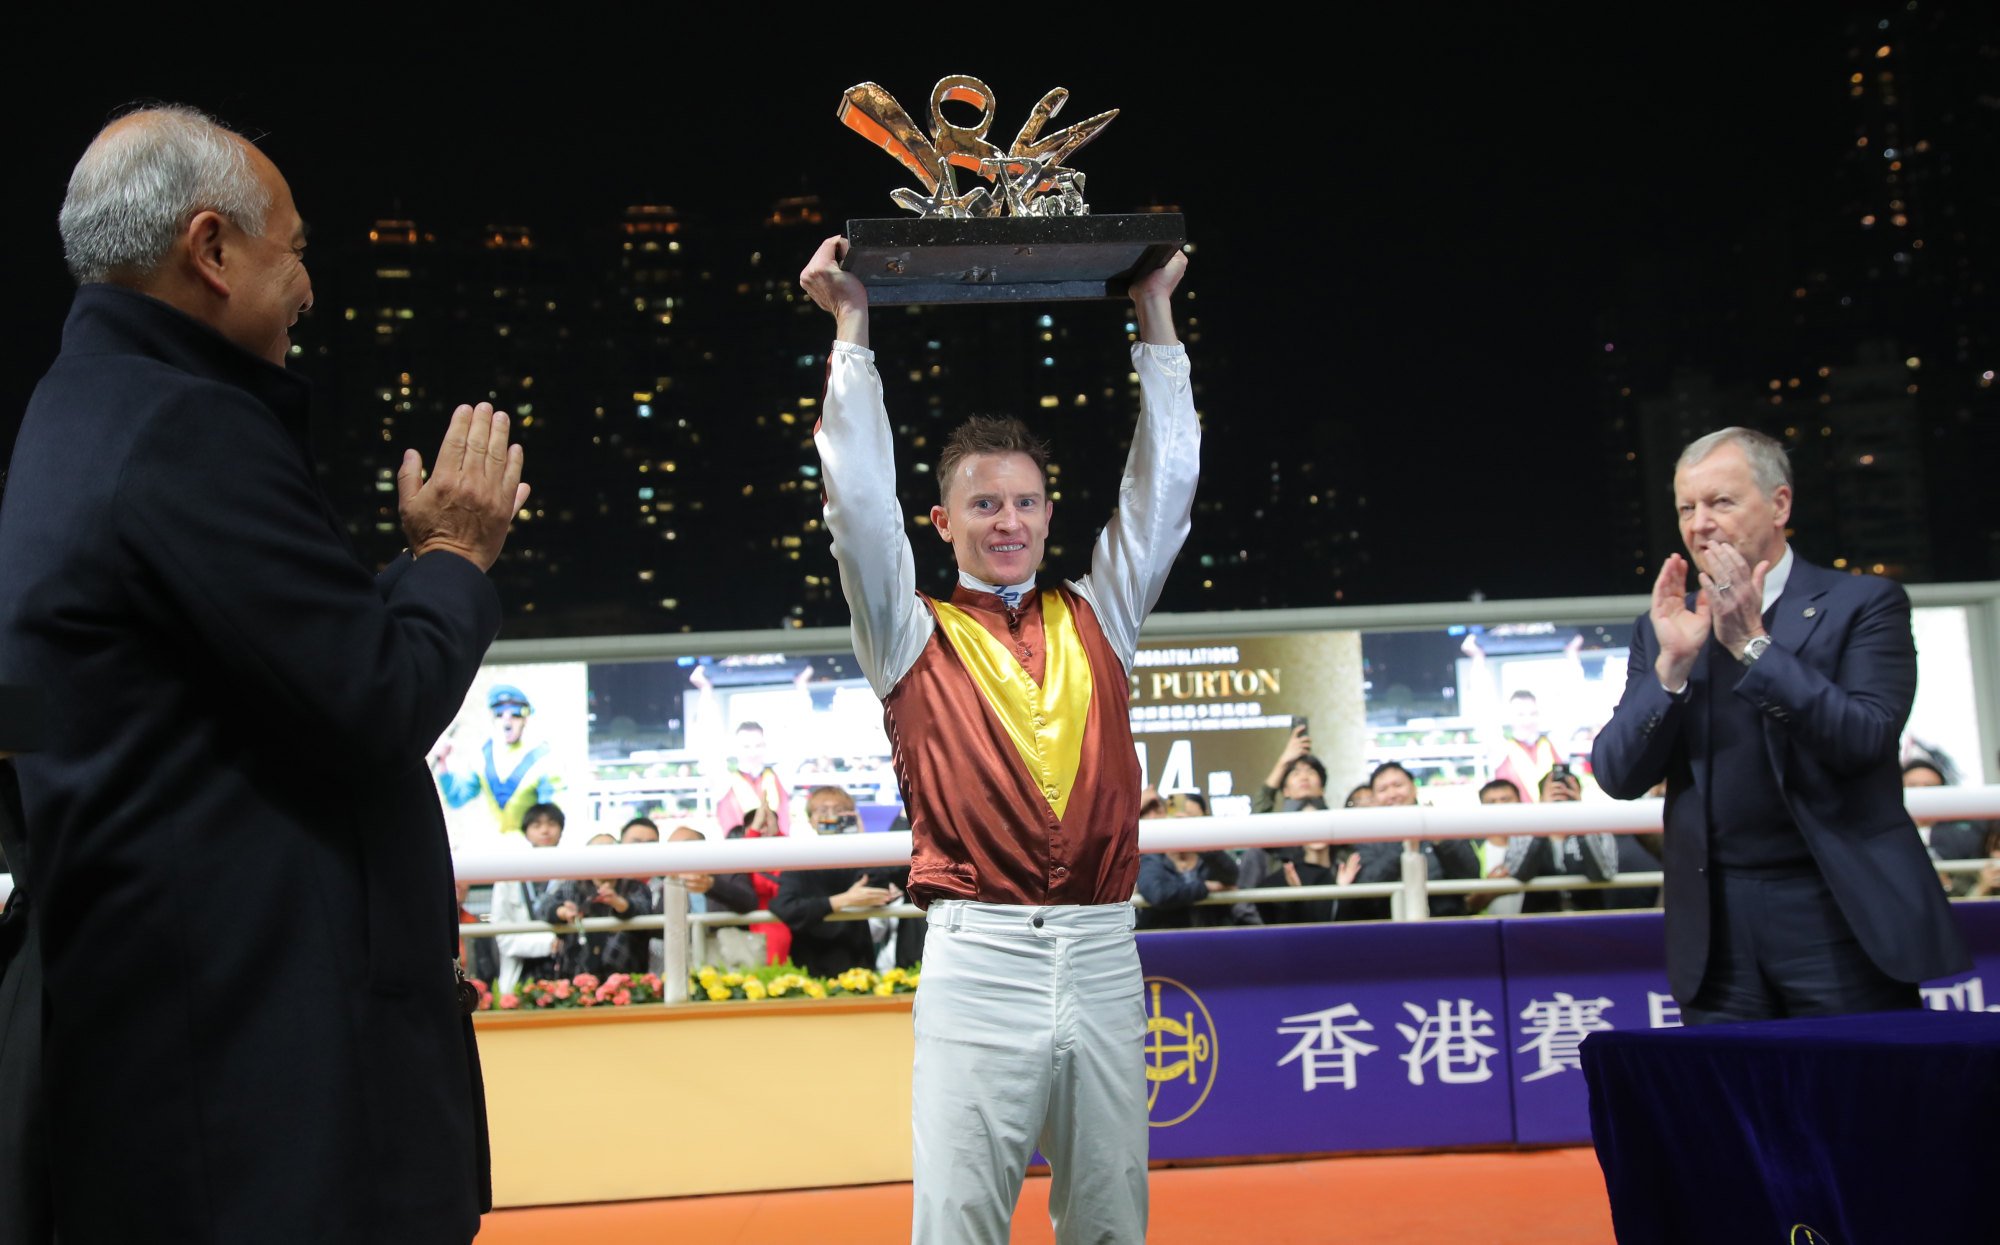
(1021, 232)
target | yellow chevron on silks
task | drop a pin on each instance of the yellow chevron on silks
(1046, 723)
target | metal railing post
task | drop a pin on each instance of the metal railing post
(674, 942)
(1415, 897)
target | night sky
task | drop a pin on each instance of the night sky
(1411, 227)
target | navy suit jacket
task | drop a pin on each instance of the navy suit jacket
(241, 884)
(1834, 690)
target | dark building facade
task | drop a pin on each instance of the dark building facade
(1859, 326)
(664, 373)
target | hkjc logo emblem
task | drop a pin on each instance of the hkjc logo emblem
(1805, 1235)
(1181, 1052)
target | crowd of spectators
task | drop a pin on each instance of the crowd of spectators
(1173, 885)
(1957, 840)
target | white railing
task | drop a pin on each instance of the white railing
(1408, 825)
(1167, 834)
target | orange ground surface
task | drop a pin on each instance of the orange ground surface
(1547, 1197)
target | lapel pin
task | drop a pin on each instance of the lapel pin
(1811, 610)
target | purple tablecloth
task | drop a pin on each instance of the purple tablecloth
(1860, 1130)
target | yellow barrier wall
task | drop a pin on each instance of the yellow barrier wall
(654, 1101)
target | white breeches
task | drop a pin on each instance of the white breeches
(1030, 1031)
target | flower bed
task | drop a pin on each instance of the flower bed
(773, 981)
(780, 981)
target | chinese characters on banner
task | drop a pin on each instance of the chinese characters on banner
(1315, 1039)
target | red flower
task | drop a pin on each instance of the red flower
(622, 998)
(509, 1002)
(585, 981)
(543, 1000)
(587, 1000)
(561, 989)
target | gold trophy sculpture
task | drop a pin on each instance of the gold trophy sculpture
(1022, 232)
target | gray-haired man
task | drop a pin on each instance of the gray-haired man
(1771, 702)
(251, 1027)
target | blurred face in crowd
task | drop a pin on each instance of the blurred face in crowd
(510, 722)
(1527, 713)
(543, 832)
(995, 516)
(1502, 793)
(1393, 787)
(832, 812)
(1560, 790)
(750, 749)
(1302, 782)
(1719, 503)
(639, 832)
(1193, 805)
(1362, 796)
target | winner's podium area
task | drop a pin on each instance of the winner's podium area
(1284, 1040)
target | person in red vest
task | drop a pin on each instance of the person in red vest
(1007, 705)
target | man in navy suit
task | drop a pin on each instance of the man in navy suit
(1771, 702)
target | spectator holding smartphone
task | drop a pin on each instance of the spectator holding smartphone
(603, 952)
(1297, 780)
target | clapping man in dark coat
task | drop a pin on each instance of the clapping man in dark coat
(243, 894)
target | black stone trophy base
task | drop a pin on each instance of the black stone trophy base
(1008, 259)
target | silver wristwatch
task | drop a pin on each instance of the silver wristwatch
(1754, 649)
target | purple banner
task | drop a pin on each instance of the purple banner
(1321, 1038)
(1307, 1039)
(1566, 978)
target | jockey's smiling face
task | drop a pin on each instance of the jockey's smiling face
(995, 516)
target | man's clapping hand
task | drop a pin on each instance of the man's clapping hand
(1681, 631)
(473, 492)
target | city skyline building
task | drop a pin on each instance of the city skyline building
(1859, 328)
(664, 374)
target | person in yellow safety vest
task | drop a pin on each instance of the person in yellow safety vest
(509, 775)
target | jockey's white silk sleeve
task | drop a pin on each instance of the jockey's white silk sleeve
(878, 575)
(1129, 565)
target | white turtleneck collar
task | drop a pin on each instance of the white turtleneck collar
(1012, 594)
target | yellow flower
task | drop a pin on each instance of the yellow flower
(717, 993)
(894, 975)
(886, 989)
(778, 988)
(732, 980)
(753, 989)
(814, 990)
